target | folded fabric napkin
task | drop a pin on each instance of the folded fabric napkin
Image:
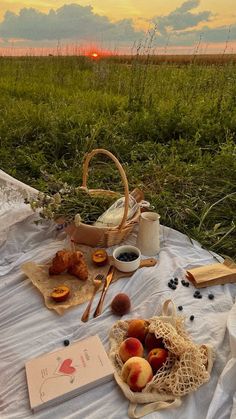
(214, 274)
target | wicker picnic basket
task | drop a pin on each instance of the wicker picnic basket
(105, 236)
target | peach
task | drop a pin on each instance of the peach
(156, 358)
(120, 304)
(152, 342)
(60, 293)
(138, 328)
(136, 372)
(100, 257)
(130, 347)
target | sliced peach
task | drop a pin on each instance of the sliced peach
(60, 293)
(100, 257)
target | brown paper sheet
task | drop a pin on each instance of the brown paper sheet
(215, 274)
(80, 291)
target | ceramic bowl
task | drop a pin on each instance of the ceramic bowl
(125, 265)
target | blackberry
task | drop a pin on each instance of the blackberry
(185, 283)
(211, 297)
(180, 308)
(176, 281)
(171, 285)
(66, 342)
(191, 317)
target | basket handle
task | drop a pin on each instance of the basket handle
(122, 173)
(136, 410)
(165, 307)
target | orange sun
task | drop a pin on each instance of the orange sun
(94, 55)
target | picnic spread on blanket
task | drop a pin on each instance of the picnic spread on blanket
(160, 308)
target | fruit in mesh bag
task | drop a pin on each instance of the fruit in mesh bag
(100, 257)
(130, 347)
(156, 358)
(60, 293)
(136, 372)
(152, 342)
(138, 328)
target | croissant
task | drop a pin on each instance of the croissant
(80, 270)
(73, 262)
(61, 262)
(76, 257)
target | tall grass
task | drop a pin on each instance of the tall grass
(171, 126)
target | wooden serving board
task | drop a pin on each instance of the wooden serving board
(94, 270)
(80, 291)
(146, 263)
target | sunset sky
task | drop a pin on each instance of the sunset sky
(180, 26)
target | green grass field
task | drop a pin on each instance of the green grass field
(172, 127)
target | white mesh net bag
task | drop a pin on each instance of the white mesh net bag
(188, 365)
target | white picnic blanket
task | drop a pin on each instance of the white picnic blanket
(28, 329)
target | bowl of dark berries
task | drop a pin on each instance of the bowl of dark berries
(127, 258)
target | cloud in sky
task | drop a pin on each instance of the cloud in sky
(181, 18)
(72, 21)
(78, 23)
(180, 27)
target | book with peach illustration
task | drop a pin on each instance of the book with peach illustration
(58, 376)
